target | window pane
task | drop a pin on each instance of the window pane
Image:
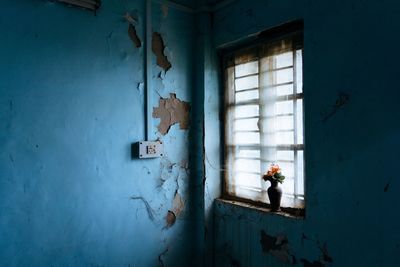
(284, 60)
(247, 180)
(299, 121)
(300, 172)
(246, 124)
(284, 89)
(285, 155)
(284, 107)
(246, 111)
(246, 83)
(247, 138)
(287, 168)
(284, 138)
(246, 69)
(288, 185)
(245, 153)
(246, 96)
(247, 165)
(284, 76)
(284, 122)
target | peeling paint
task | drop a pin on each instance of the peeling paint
(177, 207)
(170, 218)
(342, 100)
(172, 111)
(325, 258)
(278, 247)
(140, 87)
(133, 35)
(178, 204)
(158, 46)
(149, 210)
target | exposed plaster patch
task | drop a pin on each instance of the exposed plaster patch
(178, 204)
(170, 218)
(157, 46)
(277, 246)
(325, 258)
(342, 100)
(177, 207)
(184, 164)
(133, 35)
(149, 210)
(171, 111)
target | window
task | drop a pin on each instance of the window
(264, 117)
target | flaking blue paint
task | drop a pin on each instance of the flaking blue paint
(70, 109)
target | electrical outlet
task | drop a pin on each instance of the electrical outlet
(150, 149)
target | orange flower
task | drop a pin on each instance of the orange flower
(273, 170)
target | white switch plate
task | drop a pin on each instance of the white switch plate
(150, 149)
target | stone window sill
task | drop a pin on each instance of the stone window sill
(295, 213)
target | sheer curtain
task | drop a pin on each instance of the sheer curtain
(264, 117)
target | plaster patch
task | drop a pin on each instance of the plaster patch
(277, 246)
(133, 35)
(171, 111)
(178, 204)
(177, 207)
(158, 46)
(325, 258)
(170, 218)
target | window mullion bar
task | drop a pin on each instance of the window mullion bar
(232, 178)
(296, 176)
(263, 185)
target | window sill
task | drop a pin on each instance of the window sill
(295, 213)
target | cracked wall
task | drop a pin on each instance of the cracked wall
(72, 103)
(350, 113)
(172, 111)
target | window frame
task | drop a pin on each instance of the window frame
(287, 30)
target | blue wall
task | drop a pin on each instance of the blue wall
(71, 105)
(350, 48)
